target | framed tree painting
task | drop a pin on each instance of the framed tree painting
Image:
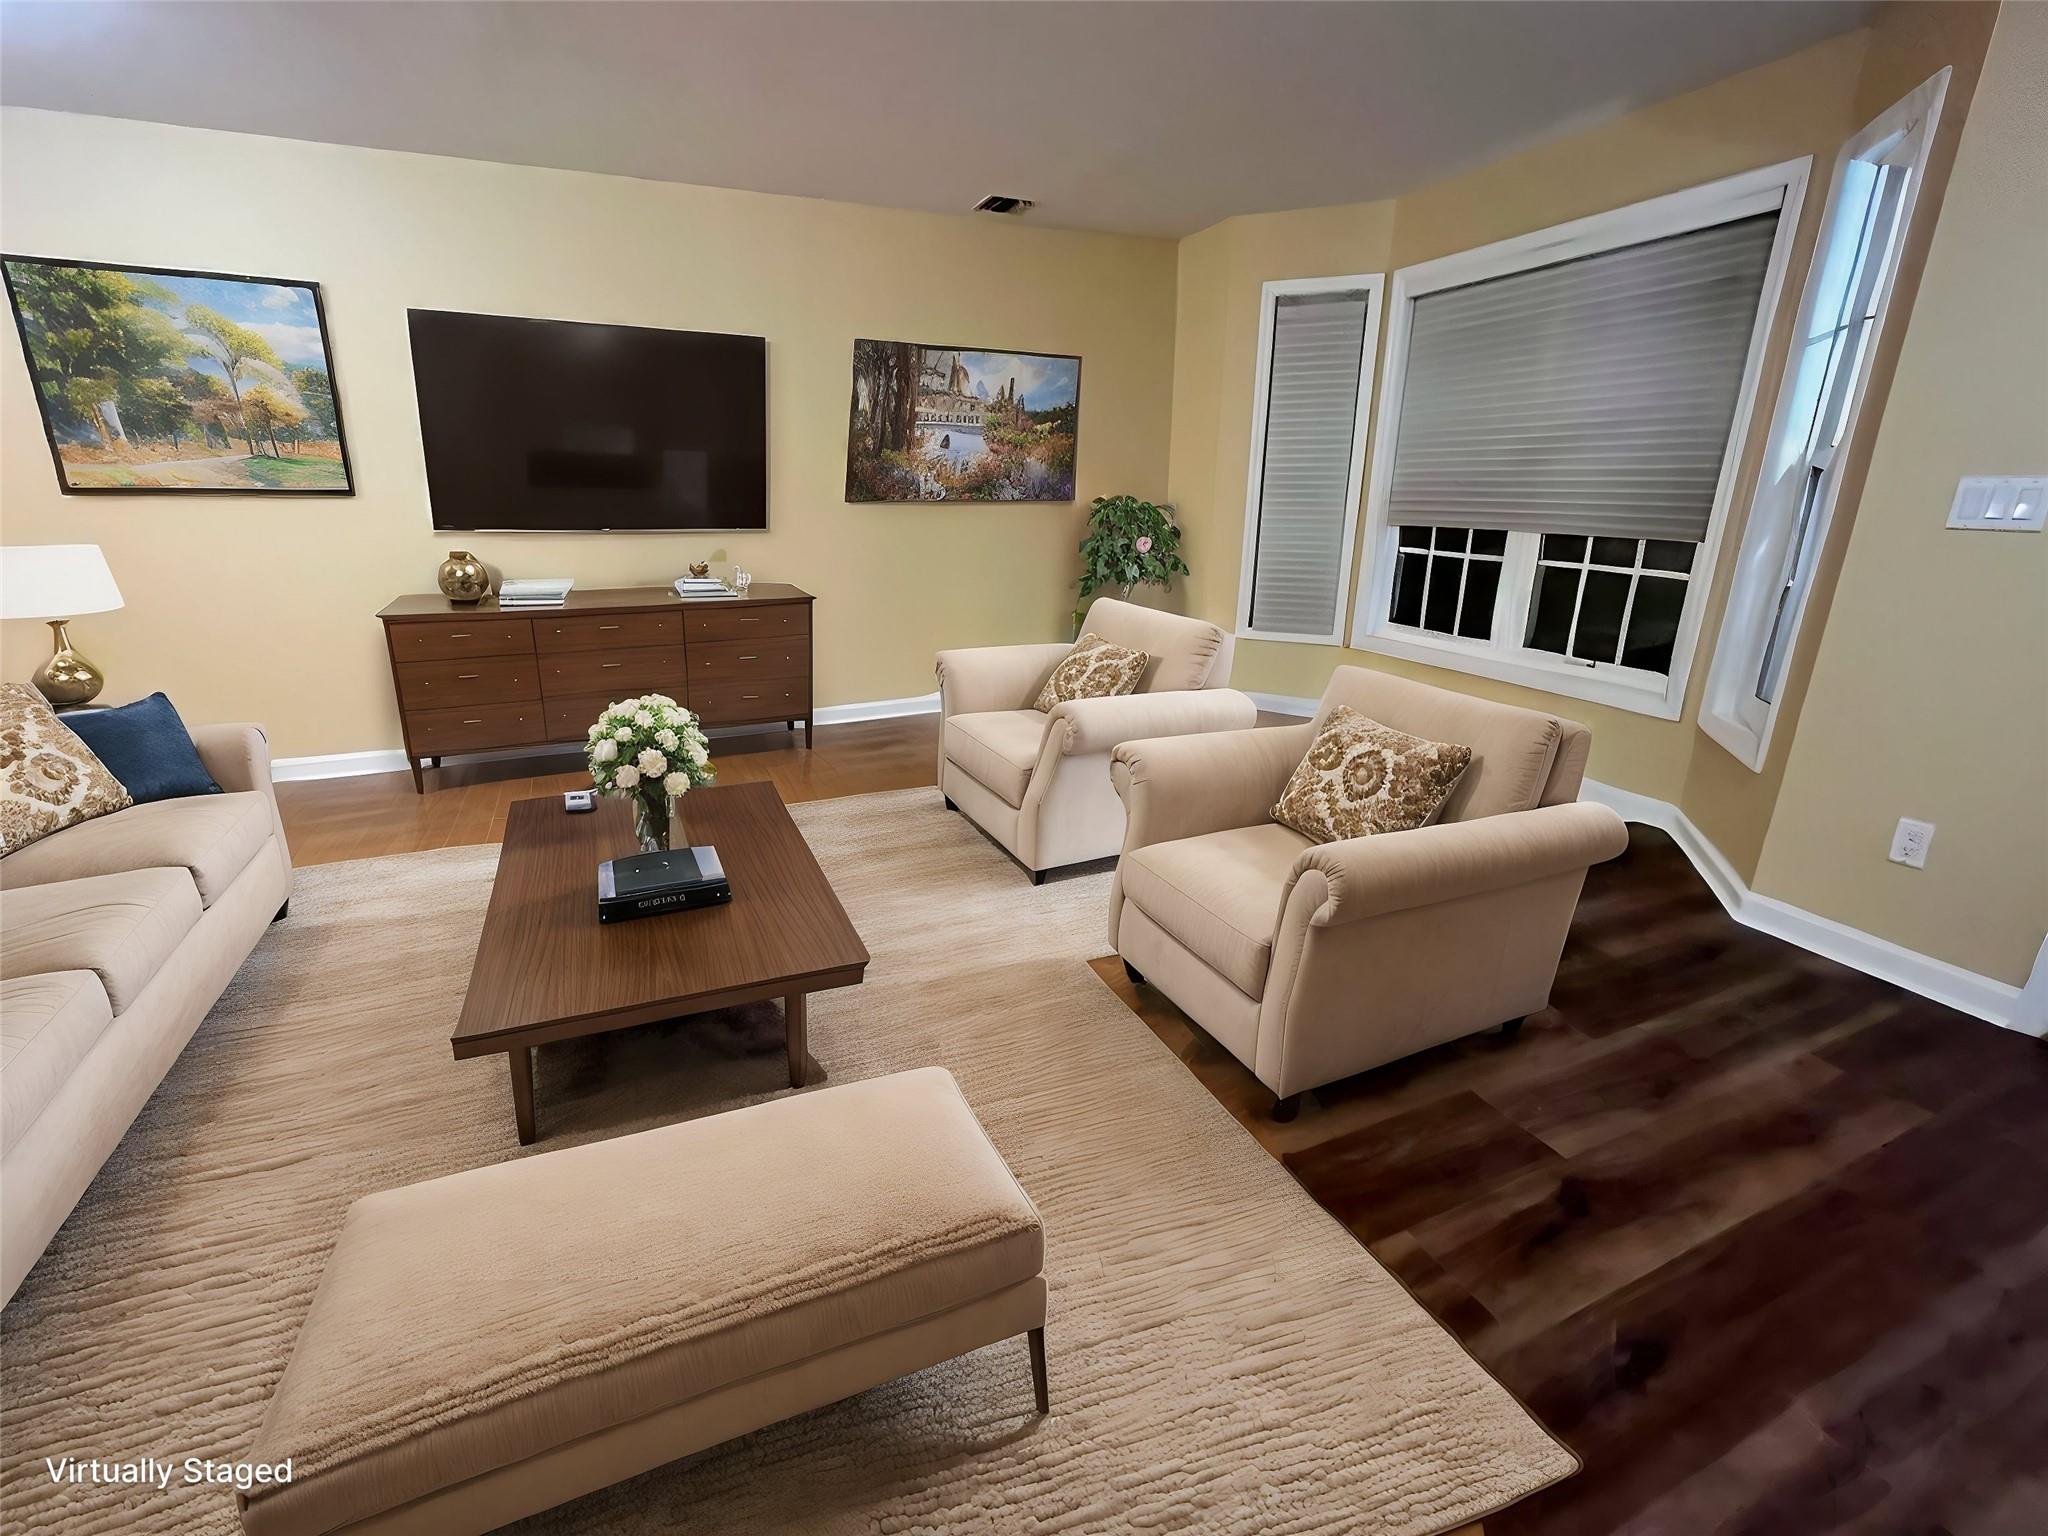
(154, 379)
(957, 424)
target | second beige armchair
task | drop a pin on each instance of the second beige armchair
(1311, 961)
(1037, 781)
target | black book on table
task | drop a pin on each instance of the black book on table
(651, 883)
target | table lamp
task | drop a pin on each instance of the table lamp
(57, 582)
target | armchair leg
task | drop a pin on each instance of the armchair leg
(282, 911)
(1038, 877)
(1512, 1028)
(1286, 1109)
(949, 803)
(1137, 976)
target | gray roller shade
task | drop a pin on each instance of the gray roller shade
(1310, 427)
(1592, 396)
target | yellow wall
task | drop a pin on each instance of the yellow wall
(1930, 695)
(1807, 104)
(250, 608)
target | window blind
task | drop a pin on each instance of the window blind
(1311, 425)
(1593, 396)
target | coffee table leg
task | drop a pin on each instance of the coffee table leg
(521, 1060)
(793, 1023)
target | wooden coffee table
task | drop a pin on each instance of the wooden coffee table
(546, 969)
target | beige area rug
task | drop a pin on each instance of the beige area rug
(1224, 1356)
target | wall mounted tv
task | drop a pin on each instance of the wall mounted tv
(556, 425)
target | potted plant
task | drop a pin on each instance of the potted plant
(653, 751)
(1129, 543)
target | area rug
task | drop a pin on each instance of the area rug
(1224, 1356)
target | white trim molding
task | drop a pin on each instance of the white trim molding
(1371, 285)
(1967, 991)
(348, 765)
(1793, 507)
(1776, 188)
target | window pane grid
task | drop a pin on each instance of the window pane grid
(1623, 605)
(1446, 580)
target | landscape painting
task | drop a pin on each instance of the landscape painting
(955, 424)
(159, 380)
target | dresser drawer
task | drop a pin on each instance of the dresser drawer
(571, 719)
(740, 703)
(485, 680)
(454, 639)
(620, 674)
(733, 661)
(741, 620)
(436, 732)
(607, 631)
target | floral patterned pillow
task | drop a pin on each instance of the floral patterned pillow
(49, 779)
(1093, 669)
(1361, 777)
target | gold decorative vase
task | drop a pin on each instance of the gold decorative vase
(67, 678)
(463, 578)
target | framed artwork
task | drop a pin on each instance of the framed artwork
(154, 379)
(960, 424)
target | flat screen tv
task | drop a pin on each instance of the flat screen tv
(561, 426)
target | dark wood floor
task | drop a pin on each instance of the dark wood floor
(1764, 1240)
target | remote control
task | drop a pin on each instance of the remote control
(579, 800)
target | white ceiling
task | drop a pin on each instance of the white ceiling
(1146, 116)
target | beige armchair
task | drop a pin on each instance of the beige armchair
(1038, 782)
(1309, 962)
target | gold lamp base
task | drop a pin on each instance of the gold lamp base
(67, 678)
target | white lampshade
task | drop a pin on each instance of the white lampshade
(55, 581)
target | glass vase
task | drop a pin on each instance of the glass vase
(657, 822)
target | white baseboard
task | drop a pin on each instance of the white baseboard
(348, 765)
(1966, 991)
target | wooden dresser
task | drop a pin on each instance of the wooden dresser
(476, 678)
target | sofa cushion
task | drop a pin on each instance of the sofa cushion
(1093, 669)
(1218, 894)
(212, 836)
(49, 779)
(1182, 652)
(146, 746)
(121, 927)
(998, 748)
(47, 1024)
(481, 1319)
(1360, 778)
(1512, 749)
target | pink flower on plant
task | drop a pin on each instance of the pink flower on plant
(1144, 544)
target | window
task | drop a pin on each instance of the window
(1311, 404)
(1558, 424)
(1840, 314)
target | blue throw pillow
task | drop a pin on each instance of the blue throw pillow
(146, 746)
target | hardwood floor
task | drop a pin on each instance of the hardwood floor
(1763, 1239)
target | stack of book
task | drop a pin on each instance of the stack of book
(535, 592)
(702, 586)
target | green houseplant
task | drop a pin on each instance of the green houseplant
(1129, 543)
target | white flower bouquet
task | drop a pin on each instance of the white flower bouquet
(652, 750)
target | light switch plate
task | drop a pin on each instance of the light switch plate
(1994, 503)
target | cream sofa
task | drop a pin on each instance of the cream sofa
(116, 937)
(1309, 962)
(1037, 781)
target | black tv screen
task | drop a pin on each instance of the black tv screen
(559, 425)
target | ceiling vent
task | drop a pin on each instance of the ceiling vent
(1002, 205)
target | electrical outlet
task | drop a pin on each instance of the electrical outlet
(1909, 843)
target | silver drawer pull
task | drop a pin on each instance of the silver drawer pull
(750, 618)
(750, 658)
(472, 722)
(607, 626)
(749, 698)
(469, 677)
(608, 665)
(460, 634)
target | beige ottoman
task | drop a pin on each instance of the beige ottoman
(487, 1345)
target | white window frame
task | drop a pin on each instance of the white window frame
(1730, 712)
(1372, 285)
(1780, 188)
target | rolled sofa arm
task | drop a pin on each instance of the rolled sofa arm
(236, 756)
(1096, 725)
(1183, 786)
(1392, 872)
(995, 676)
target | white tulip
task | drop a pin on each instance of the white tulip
(666, 739)
(643, 718)
(604, 752)
(622, 734)
(652, 763)
(697, 753)
(627, 776)
(676, 783)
